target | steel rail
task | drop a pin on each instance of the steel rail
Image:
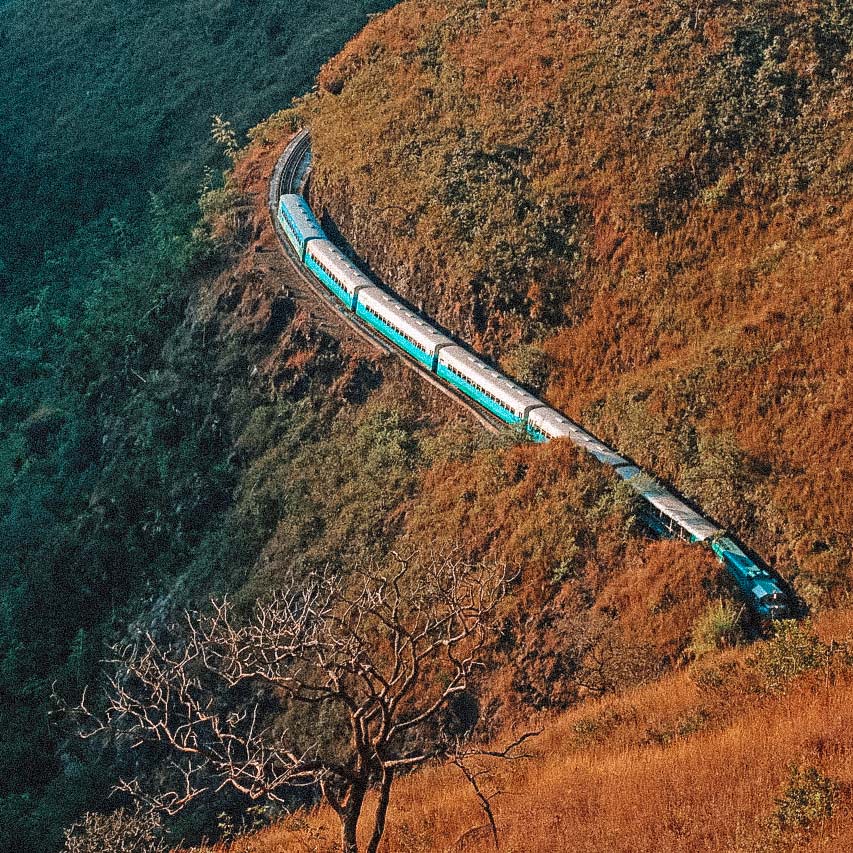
(291, 175)
(284, 180)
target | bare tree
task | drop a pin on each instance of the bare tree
(383, 652)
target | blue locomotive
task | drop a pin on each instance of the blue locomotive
(759, 588)
(663, 512)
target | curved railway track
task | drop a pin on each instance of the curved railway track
(666, 513)
(291, 175)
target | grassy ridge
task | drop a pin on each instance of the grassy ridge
(709, 758)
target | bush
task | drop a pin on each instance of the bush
(718, 628)
(530, 365)
(809, 798)
(122, 831)
(599, 727)
(793, 650)
(227, 216)
(687, 725)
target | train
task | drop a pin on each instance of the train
(663, 512)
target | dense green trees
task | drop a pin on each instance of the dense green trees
(110, 473)
(117, 420)
(97, 107)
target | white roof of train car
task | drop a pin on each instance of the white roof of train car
(506, 392)
(303, 216)
(554, 425)
(407, 322)
(347, 274)
(668, 503)
(599, 450)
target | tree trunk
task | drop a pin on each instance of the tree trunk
(381, 810)
(349, 819)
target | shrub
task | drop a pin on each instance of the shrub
(598, 727)
(122, 831)
(809, 798)
(794, 649)
(227, 215)
(530, 366)
(812, 592)
(569, 565)
(719, 627)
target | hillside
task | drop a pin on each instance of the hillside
(725, 755)
(648, 211)
(100, 106)
(333, 456)
(424, 478)
(644, 212)
(118, 417)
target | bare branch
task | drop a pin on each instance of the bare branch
(385, 649)
(475, 775)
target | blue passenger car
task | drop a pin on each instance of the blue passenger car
(299, 223)
(400, 326)
(546, 423)
(336, 271)
(492, 390)
(666, 514)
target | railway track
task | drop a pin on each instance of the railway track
(291, 175)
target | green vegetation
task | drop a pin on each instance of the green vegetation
(118, 414)
(809, 799)
(529, 364)
(102, 103)
(717, 628)
(113, 468)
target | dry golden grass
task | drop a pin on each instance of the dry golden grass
(665, 767)
(733, 320)
(710, 294)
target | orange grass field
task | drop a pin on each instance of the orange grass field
(636, 189)
(670, 766)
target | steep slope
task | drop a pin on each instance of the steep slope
(658, 197)
(108, 100)
(711, 758)
(117, 420)
(646, 210)
(326, 455)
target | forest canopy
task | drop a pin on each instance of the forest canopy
(115, 425)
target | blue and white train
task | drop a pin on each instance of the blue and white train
(665, 513)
